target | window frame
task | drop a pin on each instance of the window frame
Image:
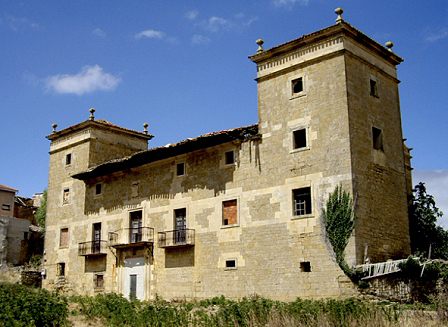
(95, 281)
(65, 200)
(229, 260)
(60, 237)
(6, 207)
(226, 163)
(291, 84)
(184, 170)
(294, 208)
(373, 86)
(61, 269)
(96, 194)
(237, 223)
(377, 139)
(68, 159)
(307, 146)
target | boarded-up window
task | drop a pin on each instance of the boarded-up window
(66, 196)
(229, 212)
(64, 237)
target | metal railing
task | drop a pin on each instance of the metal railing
(92, 248)
(381, 268)
(129, 236)
(176, 238)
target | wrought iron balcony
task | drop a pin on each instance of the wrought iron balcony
(131, 237)
(92, 248)
(176, 238)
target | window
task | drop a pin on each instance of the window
(180, 169)
(302, 201)
(229, 157)
(68, 159)
(377, 138)
(373, 88)
(6, 207)
(231, 263)
(63, 239)
(98, 189)
(134, 189)
(96, 246)
(180, 226)
(229, 212)
(299, 139)
(297, 86)
(66, 196)
(61, 269)
(305, 267)
(136, 226)
(98, 281)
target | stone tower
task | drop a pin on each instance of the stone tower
(74, 149)
(328, 102)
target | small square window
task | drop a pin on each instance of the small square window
(180, 169)
(302, 201)
(231, 263)
(377, 136)
(299, 139)
(373, 88)
(61, 269)
(99, 281)
(6, 207)
(68, 159)
(297, 86)
(98, 189)
(305, 267)
(229, 212)
(66, 196)
(229, 157)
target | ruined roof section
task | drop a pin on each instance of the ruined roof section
(7, 189)
(97, 123)
(169, 150)
(325, 32)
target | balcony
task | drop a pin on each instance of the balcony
(92, 248)
(176, 238)
(131, 237)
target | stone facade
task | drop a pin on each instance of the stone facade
(238, 212)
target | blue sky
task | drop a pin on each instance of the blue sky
(182, 67)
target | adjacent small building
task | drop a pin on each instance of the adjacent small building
(238, 212)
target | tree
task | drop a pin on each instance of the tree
(424, 231)
(41, 212)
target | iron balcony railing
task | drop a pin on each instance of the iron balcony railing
(128, 237)
(176, 238)
(92, 248)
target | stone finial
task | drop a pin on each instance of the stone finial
(260, 45)
(145, 128)
(389, 46)
(339, 12)
(92, 117)
(54, 127)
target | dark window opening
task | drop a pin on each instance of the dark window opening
(96, 246)
(136, 226)
(66, 196)
(299, 139)
(229, 212)
(180, 224)
(373, 87)
(230, 157)
(297, 85)
(302, 201)
(61, 269)
(305, 266)
(230, 263)
(68, 159)
(377, 139)
(98, 189)
(6, 207)
(180, 169)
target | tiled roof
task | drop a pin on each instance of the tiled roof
(6, 188)
(169, 150)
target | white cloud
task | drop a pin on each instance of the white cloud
(88, 80)
(433, 37)
(199, 39)
(250, 21)
(436, 182)
(214, 24)
(150, 34)
(289, 3)
(99, 32)
(191, 15)
(15, 23)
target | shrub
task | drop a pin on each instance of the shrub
(24, 306)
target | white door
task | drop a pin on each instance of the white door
(133, 283)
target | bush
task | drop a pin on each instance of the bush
(24, 306)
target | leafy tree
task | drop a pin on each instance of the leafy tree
(424, 231)
(41, 212)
